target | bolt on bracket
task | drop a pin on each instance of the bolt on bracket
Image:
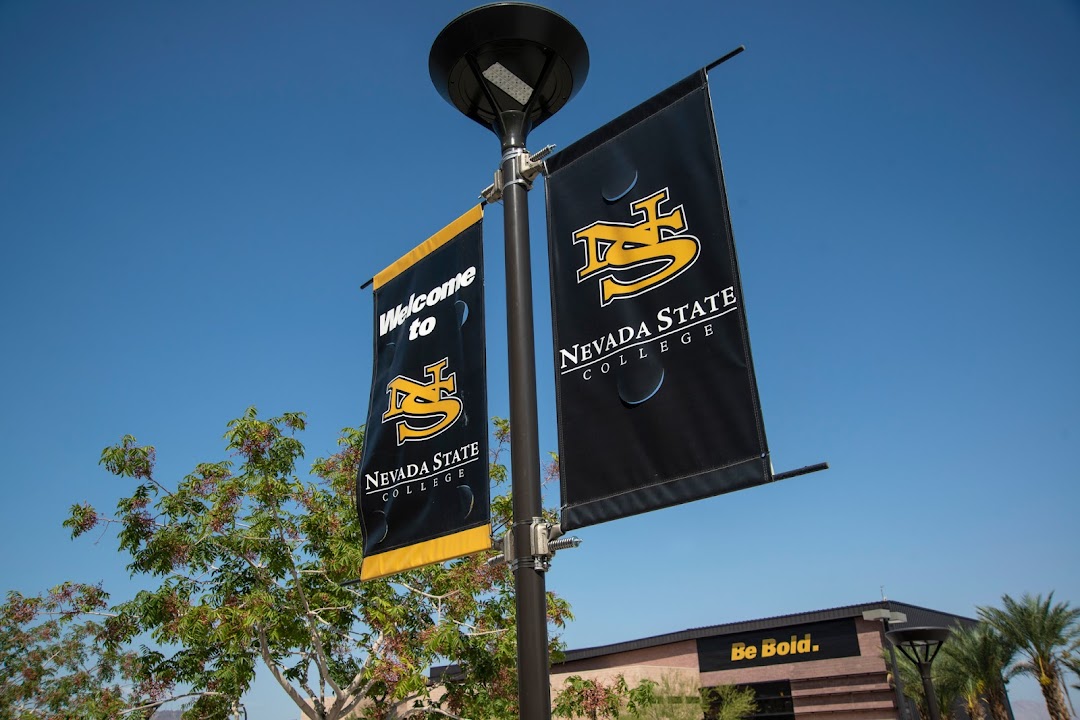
(544, 539)
(526, 168)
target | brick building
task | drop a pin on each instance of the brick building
(825, 664)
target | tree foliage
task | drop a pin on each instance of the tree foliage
(593, 698)
(974, 664)
(1072, 662)
(677, 696)
(249, 566)
(729, 702)
(1044, 633)
(1032, 636)
(58, 658)
(674, 697)
(589, 698)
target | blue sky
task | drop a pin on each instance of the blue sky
(191, 195)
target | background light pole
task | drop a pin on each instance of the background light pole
(886, 617)
(920, 645)
(509, 67)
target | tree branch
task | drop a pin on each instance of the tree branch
(320, 652)
(481, 633)
(349, 702)
(159, 703)
(264, 647)
(353, 688)
(164, 489)
(428, 595)
(316, 698)
(77, 613)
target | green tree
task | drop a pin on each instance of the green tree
(974, 663)
(729, 702)
(248, 563)
(1042, 631)
(57, 659)
(1072, 661)
(677, 696)
(590, 698)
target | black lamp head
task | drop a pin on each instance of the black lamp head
(509, 66)
(919, 644)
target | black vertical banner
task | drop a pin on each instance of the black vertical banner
(656, 397)
(422, 489)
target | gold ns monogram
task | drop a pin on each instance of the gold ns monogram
(633, 258)
(423, 409)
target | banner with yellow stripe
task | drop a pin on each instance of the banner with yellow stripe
(422, 490)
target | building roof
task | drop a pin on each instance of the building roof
(916, 616)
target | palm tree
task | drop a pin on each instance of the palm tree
(1071, 660)
(1073, 663)
(975, 663)
(1042, 632)
(968, 690)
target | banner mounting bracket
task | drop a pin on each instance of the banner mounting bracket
(545, 539)
(526, 168)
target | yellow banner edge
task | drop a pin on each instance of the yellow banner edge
(433, 243)
(448, 547)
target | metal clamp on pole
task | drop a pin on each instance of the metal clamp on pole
(545, 539)
(526, 168)
(533, 165)
(539, 536)
(493, 192)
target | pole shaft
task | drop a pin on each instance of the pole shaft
(530, 586)
(898, 682)
(928, 688)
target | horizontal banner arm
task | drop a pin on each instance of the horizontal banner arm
(801, 471)
(724, 59)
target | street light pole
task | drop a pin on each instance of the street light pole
(931, 694)
(529, 581)
(920, 645)
(511, 66)
(886, 617)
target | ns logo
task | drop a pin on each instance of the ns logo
(633, 258)
(423, 410)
